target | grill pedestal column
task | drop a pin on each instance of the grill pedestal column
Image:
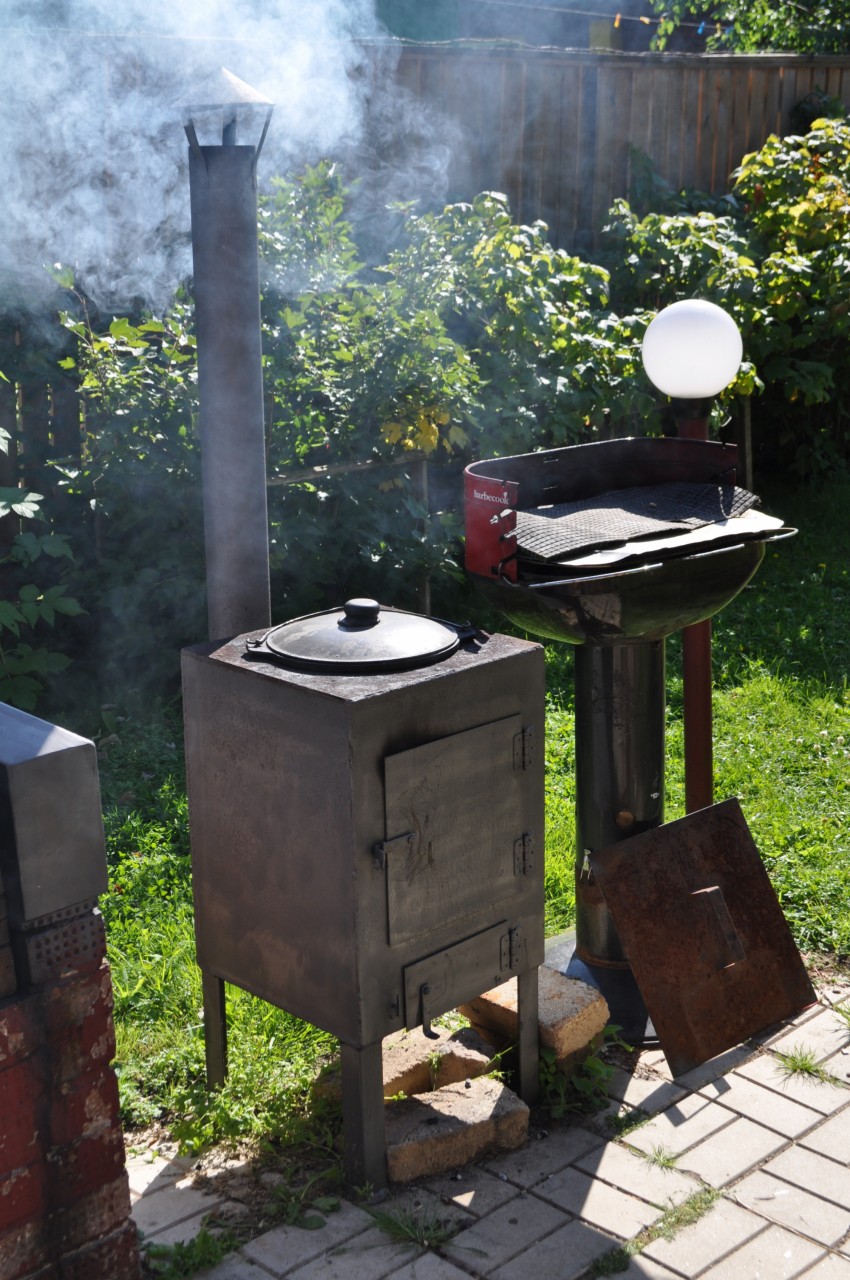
(619, 732)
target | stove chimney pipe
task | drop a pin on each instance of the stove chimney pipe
(223, 192)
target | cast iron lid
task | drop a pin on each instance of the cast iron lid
(363, 636)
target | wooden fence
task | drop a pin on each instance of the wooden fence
(553, 129)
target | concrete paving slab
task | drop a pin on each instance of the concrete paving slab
(650, 1094)
(503, 1234)
(775, 1254)
(475, 1190)
(429, 1210)
(284, 1248)
(565, 1255)
(538, 1159)
(153, 1214)
(825, 1033)
(831, 1267)
(683, 1125)
(643, 1268)
(839, 1065)
(149, 1172)
(622, 1168)
(706, 1072)
(792, 1207)
(614, 1211)
(693, 1249)
(179, 1233)
(653, 1060)
(819, 1095)
(233, 1268)
(831, 1138)
(765, 1106)
(368, 1256)
(808, 1169)
(429, 1267)
(732, 1152)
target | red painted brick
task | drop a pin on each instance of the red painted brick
(23, 1251)
(8, 976)
(22, 1107)
(85, 1107)
(90, 1219)
(115, 1258)
(79, 1024)
(21, 1028)
(22, 1197)
(80, 1167)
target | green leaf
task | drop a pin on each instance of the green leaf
(68, 606)
(10, 617)
(23, 502)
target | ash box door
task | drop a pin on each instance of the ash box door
(455, 847)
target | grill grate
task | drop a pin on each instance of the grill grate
(547, 533)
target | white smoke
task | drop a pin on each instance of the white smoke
(92, 149)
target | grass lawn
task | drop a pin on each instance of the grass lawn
(782, 745)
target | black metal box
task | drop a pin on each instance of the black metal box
(367, 850)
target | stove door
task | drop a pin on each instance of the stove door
(456, 846)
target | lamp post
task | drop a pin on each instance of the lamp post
(691, 351)
(223, 195)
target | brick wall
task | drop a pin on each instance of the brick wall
(64, 1196)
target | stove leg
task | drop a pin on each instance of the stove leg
(215, 1029)
(527, 1018)
(363, 1116)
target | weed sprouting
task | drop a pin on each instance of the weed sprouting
(802, 1060)
(843, 1011)
(176, 1261)
(405, 1226)
(301, 1206)
(626, 1120)
(585, 1090)
(660, 1157)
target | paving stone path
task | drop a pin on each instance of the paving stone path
(775, 1148)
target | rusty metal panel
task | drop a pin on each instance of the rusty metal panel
(704, 933)
(459, 799)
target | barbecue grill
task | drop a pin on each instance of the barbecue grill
(612, 547)
(366, 803)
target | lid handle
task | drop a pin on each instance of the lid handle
(360, 612)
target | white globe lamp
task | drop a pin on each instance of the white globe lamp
(692, 350)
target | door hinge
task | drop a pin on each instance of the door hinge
(524, 854)
(513, 949)
(524, 748)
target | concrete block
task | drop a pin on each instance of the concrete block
(411, 1062)
(570, 1014)
(451, 1127)
(414, 1063)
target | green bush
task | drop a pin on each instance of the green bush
(27, 610)
(777, 260)
(474, 336)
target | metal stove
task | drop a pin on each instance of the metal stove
(366, 804)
